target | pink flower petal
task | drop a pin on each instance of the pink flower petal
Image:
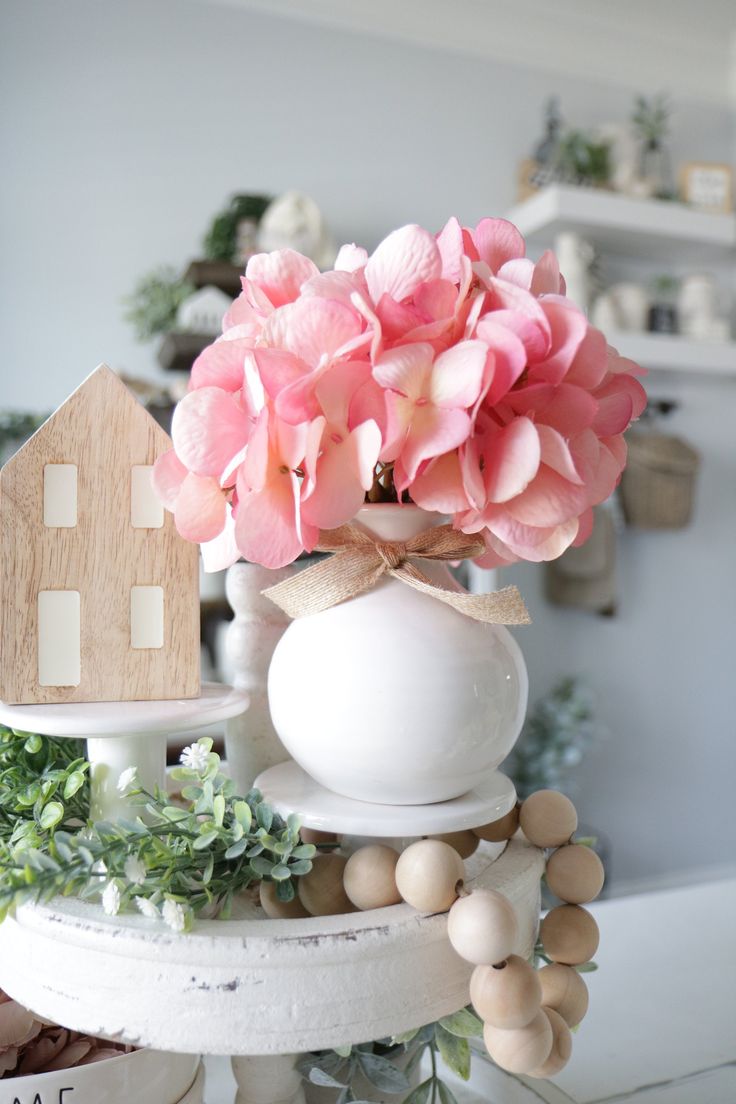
(450, 245)
(549, 500)
(590, 363)
(208, 428)
(519, 272)
(405, 259)
(278, 369)
(313, 329)
(569, 410)
(508, 360)
(615, 412)
(337, 386)
(436, 299)
(457, 375)
(167, 477)
(533, 334)
(556, 454)
(568, 327)
(497, 241)
(17, 1024)
(220, 365)
(200, 509)
(585, 527)
(440, 487)
(396, 319)
(222, 551)
(433, 430)
(267, 526)
(546, 279)
(280, 274)
(537, 545)
(344, 474)
(512, 460)
(406, 369)
(350, 258)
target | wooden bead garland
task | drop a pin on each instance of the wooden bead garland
(482, 927)
(465, 843)
(564, 990)
(499, 830)
(321, 890)
(506, 995)
(370, 877)
(527, 1014)
(428, 874)
(569, 934)
(548, 818)
(561, 1050)
(276, 909)
(575, 874)
(520, 1049)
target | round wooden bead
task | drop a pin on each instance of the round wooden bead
(321, 890)
(520, 1049)
(548, 818)
(276, 909)
(482, 927)
(564, 990)
(315, 835)
(561, 1050)
(427, 875)
(575, 874)
(465, 843)
(508, 995)
(370, 877)
(569, 935)
(499, 830)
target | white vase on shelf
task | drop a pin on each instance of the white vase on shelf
(393, 696)
(251, 743)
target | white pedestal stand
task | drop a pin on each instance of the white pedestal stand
(125, 734)
(266, 989)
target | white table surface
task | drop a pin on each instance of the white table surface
(662, 1022)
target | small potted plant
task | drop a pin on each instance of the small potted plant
(663, 317)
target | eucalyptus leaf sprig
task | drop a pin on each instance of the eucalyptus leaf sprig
(389, 1063)
(44, 785)
(172, 861)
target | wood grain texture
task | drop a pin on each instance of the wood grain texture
(105, 431)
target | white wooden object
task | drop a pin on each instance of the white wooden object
(646, 228)
(202, 311)
(144, 1076)
(290, 789)
(251, 742)
(59, 651)
(253, 986)
(125, 734)
(105, 433)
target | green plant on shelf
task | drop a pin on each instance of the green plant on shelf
(154, 302)
(583, 159)
(221, 240)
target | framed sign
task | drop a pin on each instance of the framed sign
(707, 185)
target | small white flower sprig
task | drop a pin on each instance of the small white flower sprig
(184, 858)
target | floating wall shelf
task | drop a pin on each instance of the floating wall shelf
(641, 228)
(677, 354)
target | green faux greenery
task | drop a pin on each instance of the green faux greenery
(174, 859)
(389, 1063)
(16, 426)
(583, 159)
(651, 117)
(556, 732)
(44, 785)
(154, 302)
(220, 243)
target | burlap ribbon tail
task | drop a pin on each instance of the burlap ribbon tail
(359, 560)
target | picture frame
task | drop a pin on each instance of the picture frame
(707, 185)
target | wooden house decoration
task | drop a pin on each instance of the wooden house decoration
(98, 592)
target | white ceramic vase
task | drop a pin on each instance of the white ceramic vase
(144, 1076)
(393, 696)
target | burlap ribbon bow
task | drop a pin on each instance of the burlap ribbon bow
(359, 560)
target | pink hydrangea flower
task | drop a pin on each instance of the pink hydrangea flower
(450, 362)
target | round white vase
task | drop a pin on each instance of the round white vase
(393, 696)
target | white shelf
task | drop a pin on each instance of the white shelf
(677, 354)
(643, 228)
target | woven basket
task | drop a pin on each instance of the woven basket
(658, 484)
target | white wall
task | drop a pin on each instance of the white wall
(127, 125)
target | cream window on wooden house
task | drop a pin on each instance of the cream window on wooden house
(60, 496)
(146, 512)
(59, 651)
(147, 617)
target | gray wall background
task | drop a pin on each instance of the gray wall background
(126, 126)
